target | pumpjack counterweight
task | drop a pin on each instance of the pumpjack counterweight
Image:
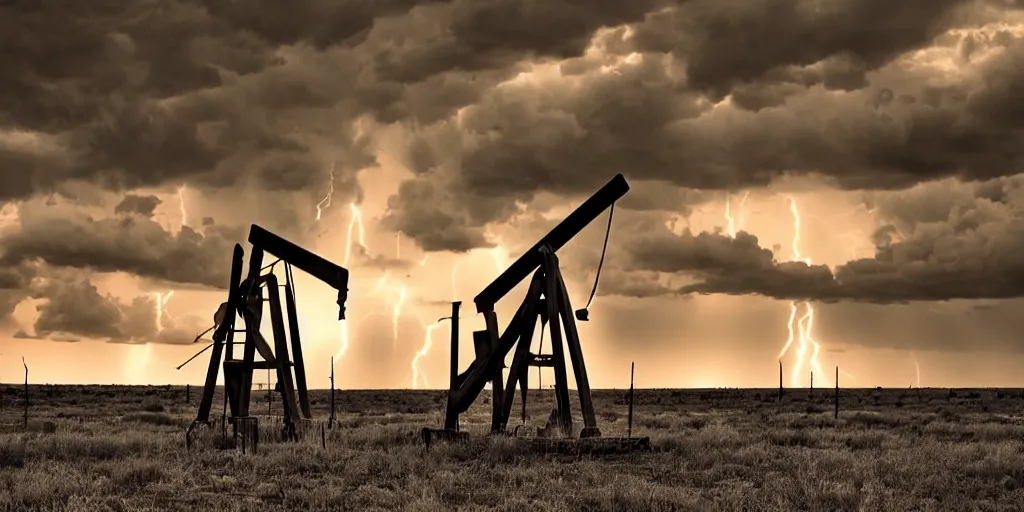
(246, 300)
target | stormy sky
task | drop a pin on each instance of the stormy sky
(825, 182)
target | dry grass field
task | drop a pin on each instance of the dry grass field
(100, 448)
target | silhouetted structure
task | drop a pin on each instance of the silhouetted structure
(245, 299)
(547, 301)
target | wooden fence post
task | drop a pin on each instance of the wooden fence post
(837, 393)
(780, 381)
(26, 390)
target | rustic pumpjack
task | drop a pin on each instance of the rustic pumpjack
(546, 300)
(245, 299)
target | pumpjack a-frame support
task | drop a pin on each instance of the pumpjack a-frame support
(547, 301)
(245, 300)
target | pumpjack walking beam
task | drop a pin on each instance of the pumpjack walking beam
(245, 299)
(546, 299)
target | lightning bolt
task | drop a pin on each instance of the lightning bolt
(793, 325)
(733, 224)
(429, 329)
(344, 342)
(792, 333)
(730, 222)
(161, 303)
(742, 212)
(805, 325)
(355, 222)
(396, 307)
(326, 201)
(181, 205)
(428, 341)
(397, 313)
(139, 355)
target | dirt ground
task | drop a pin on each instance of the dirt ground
(123, 448)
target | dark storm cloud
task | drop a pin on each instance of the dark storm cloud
(320, 23)
(98, 81)
(136, 96)
(569, 134)
(77, 307)
(972, 251)
(130, 244)
(74, 308)
(139, 205)
(727, 43)
(475, 35)
(430, 215)
(130, 96)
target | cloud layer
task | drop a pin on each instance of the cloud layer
(500, 110)
(940, 241)
(726, 96)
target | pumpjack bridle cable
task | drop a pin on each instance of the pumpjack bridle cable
(604, 250)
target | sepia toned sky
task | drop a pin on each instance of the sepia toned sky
(844, 174)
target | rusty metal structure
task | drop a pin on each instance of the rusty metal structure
(246, 300)
(547, 301)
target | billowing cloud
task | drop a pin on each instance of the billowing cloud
(75, 308)
(804, 42)
(506, 113)
(139, 205)
(133, 244)
(566, 128)
(941, 242)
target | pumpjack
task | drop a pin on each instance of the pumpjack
(245, 300)
(548, 301)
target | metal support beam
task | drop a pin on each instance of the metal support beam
(293, 329)
(224, 332)
(451, 422)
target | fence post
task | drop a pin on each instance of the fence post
(780, 381)
(629, 432)
(26, 390)
(837, 393)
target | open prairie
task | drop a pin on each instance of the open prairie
(123, 448)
